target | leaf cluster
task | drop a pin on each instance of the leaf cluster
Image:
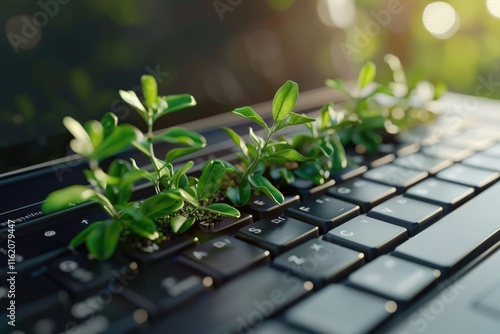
(177, 195)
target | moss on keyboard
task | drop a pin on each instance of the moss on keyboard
(264, 160)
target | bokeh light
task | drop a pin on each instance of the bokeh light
(493, 7)
(441, 19)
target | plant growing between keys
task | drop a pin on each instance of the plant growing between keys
(264, 158)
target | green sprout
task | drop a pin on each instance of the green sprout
(257, 156)
(177, 195)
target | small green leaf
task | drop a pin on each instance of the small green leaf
(82, 143)
(338, 157)
(82, 236)
(109, 122)
(293, 119)
(366, 75)
(176, 103)
(178, 174)
(182, 136)
(249, 114)
(259, 141)
(181, 195)
(95, 131)
(149, 89)
(237, 140)
(103, 239)
(240, 194)
(144, 227)
(211, 178)
(290, 155)
(131, 98)
(121, 138)
(284, 100)
(66, 197)
(181, 224)
(259, 182)
(223, 209)
(160, 205)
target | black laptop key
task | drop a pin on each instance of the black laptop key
(352, 170)
(364, 193)
(399, 149)
(237, 306)
(469, 176)
(445, 194)
(371, 160)
(395, 176)
(422, 162)
(224, 257)
(323, 211)
(226, 225)
(39, 246)
(307, 188)
(458, 237)
(484, 161)
(408, 213)
(368, 235)
(394, 278)
(262, 206)
(447, 152)
(320, 262)
(278, 234)
(151, 252)
(277, 327)
(165, 287)
(340, 309)
(82, 276)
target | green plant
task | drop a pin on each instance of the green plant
(375, 111)
(177, 195)
(262, 153)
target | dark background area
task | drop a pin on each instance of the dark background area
(63, 58)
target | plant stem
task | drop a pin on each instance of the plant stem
(152, 152)
(256, 161)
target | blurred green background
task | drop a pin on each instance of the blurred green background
(63, 58)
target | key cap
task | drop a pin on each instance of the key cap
(224, 257)
(340, 309)
(371, 160)
(364, 193)
(395, 176)
(483, 161)
(352, 170)
(165, 287)
(447, 152)
(493, 151)
(81, 276)
(254, 297)
(394, 278)
(459, 236)
(262, 206)
(408, 213)
(423, 163)
(445, 194)
(319, 261)
(368, 235)
(469, 176)
(278, 234)
(307, 188)
(40, 246)
(151, 252)
(399, 149)
(227, 225)
(468, 141)
(323, 211)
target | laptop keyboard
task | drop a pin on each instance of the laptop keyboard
(340, 257)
